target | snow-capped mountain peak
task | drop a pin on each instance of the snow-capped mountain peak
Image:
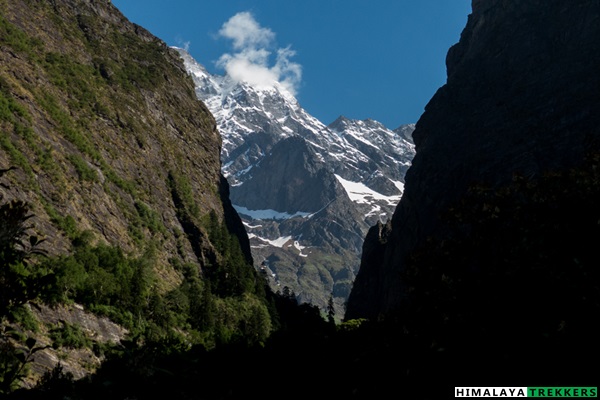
(307, 192)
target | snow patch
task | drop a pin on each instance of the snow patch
(268, 214)
(279, 242)
(299, 247)
(399, 185)
(362, 194)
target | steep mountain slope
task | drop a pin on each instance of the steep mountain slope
(492, 252)
(521, 100)
(307, 192)
(116, 157)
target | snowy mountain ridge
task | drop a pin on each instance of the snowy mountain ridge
(307, 192)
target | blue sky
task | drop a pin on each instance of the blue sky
(379, 59)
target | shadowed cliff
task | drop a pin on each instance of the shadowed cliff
(490, 263)
(522, 98)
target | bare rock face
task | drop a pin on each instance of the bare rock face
(522, 97)
(291, 167)
(105, 130)
(100, 329)
(78, 362)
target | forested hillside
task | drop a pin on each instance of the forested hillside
(112, 198)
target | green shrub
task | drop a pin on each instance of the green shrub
(85, 172)
(104, 279)
(16, 156)
(65, 223)
(150, 218)
(23, 316)
(70, 336)
(66, 125)
(21, 279)
(16, 39)
(352, 324)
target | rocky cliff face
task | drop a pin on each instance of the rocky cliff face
(108, 141)
(522, 98)
(105, 130)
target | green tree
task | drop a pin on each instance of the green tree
(14, 359)
(19, 279)
(331, 310)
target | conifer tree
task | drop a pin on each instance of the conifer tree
(331, 310)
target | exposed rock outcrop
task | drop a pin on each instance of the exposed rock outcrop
(78, 362)
(107, 133)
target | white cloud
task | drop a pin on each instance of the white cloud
(183, 44)
(245, 32)
(251, 60)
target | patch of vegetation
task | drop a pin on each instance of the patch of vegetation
(23, 316)
(182, 187)
(11, 113)
(85, 172)
(78, 81)
(102, 275)
(145, 218)
(144, 66)
(67, 224)
(67, 126)
(69, 336)
(16, 156)
(149, 218)
(16, 39)
(352, 324)
(48, 163)
(10, 109)
(231, 275)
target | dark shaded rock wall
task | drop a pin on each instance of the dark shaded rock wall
(522, 97)
(281, 180)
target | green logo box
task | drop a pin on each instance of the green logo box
(562, 392)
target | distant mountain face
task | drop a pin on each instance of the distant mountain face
(307, 192)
